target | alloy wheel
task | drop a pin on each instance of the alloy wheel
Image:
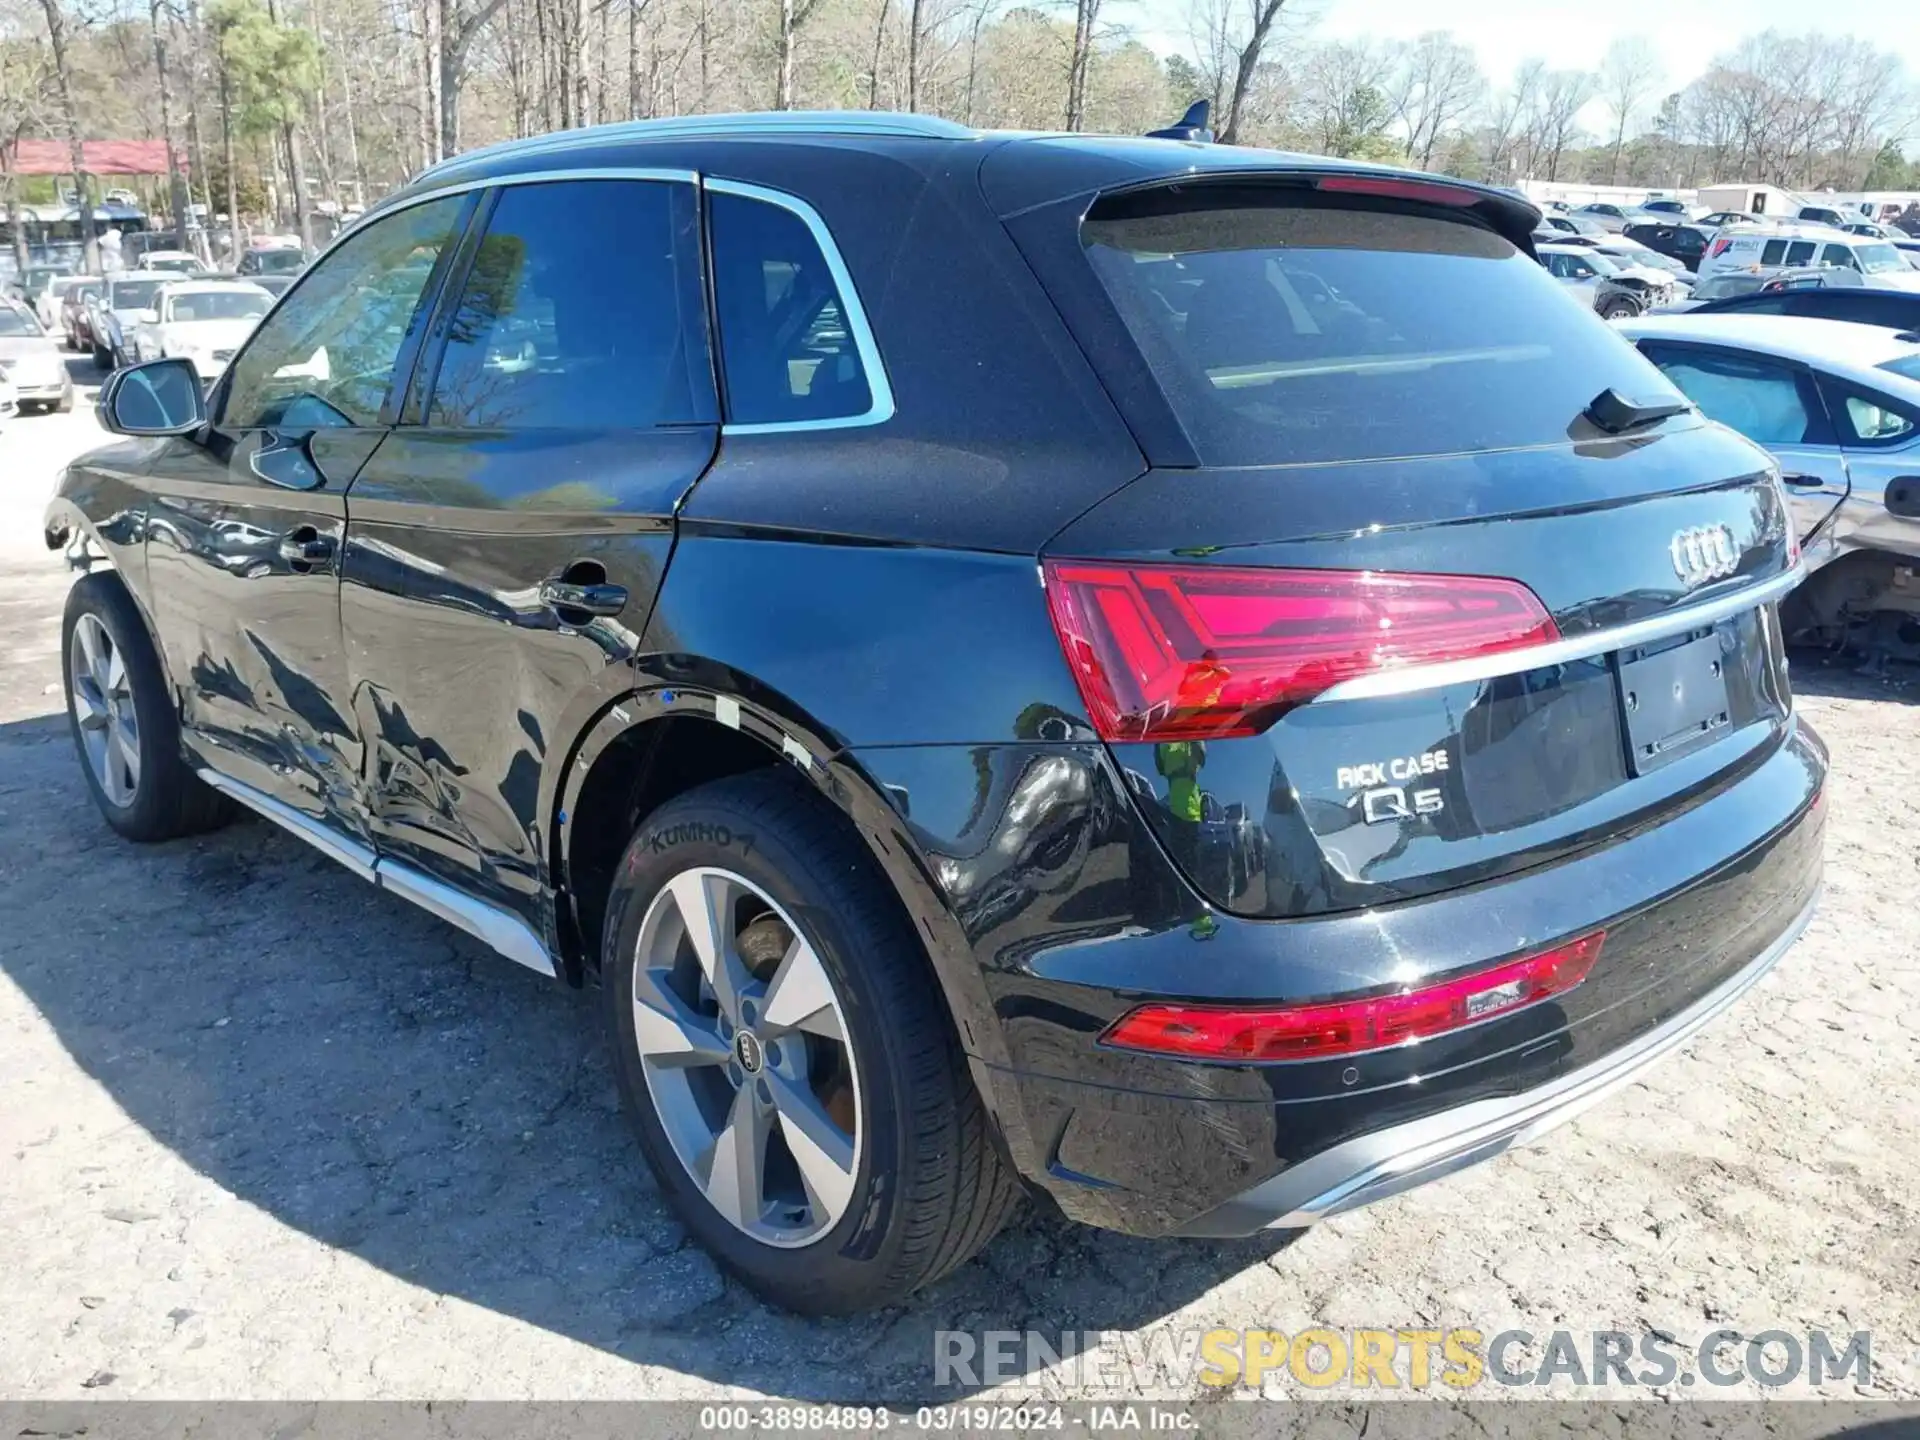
(747, 1057)
(103, 707)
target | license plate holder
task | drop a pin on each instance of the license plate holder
(1673, 700)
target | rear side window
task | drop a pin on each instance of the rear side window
(581, 311)
(1770, 404)
(1774, 252)
(1301, 330)
(794, 347)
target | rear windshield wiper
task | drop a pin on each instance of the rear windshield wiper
(1616, 414)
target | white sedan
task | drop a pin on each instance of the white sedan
(204, 321)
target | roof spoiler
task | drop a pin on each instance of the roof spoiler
(1193, 125)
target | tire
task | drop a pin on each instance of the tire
(928, 1188)
(164, 799)
(1618, 308)
(101, 356)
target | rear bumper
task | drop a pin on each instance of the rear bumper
(1390, 1161)
(1072, 915)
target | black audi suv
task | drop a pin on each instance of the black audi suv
(1186, 681)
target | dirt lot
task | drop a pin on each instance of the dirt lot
(269, 1133)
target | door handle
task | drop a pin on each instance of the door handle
(305, 547)
(584, 599)
(1803, 482)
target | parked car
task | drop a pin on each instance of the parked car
(1572, 225)
(1085, 662)
(123, 305)
(1862, 305)
(1669, 207)
(1838, 404)
(8, 405)
(272, 260)
(1758, 251)
(1629, 254)
(1873, 230)
(203, 321)
(274, 285)
(1615, 218)
(1683, 244)
(1825, 215)
(32, 363)
(76, 314)
(1720, 219)
(178, 262)
(1605, 288)
(1732, 285)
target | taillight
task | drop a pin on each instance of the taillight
(1318, 1032)
(1173, 652)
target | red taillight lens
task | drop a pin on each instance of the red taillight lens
(1317, 1032)
(1169, 652)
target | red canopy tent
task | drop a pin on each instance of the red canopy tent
(98, 157)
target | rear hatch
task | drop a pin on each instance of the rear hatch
(1398, 608)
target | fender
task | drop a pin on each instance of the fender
(687, 686)
(99, 517)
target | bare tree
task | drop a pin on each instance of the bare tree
(793, 15)
(1435, 84)
(1555, 118)
(70, 119)
(1343, 94)
(1229, 37)
(1630, 75)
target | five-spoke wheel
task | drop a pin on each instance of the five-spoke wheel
(109, 726)
(746, 1056)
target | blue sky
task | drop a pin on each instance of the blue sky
(1687, 33)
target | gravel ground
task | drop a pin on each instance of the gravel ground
(271, 1134)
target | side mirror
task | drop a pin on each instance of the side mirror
(161, 397)
(1903, 497)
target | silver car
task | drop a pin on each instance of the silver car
(1838, 405)
(31, 362)
(117, 313)
(1613, 293)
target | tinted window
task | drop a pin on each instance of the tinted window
(1774, 252)
(326, 356)
(581, 310)
(1839, 255)
(1302, 331)
(131, 294)
(217, 305)
(1800, 252)
(787, 342)
(1720, 287)
(1769, 404)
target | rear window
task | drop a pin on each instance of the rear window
(1308, 331)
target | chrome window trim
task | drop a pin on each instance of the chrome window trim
(1412, 679)
(879, 389)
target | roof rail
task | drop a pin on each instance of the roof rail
(768, 122)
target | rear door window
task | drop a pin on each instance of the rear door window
(795, 349)
(550, 333)
(1769, 403)
(1290, 330)
(1774, 252)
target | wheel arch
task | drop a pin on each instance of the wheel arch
(724, 723)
